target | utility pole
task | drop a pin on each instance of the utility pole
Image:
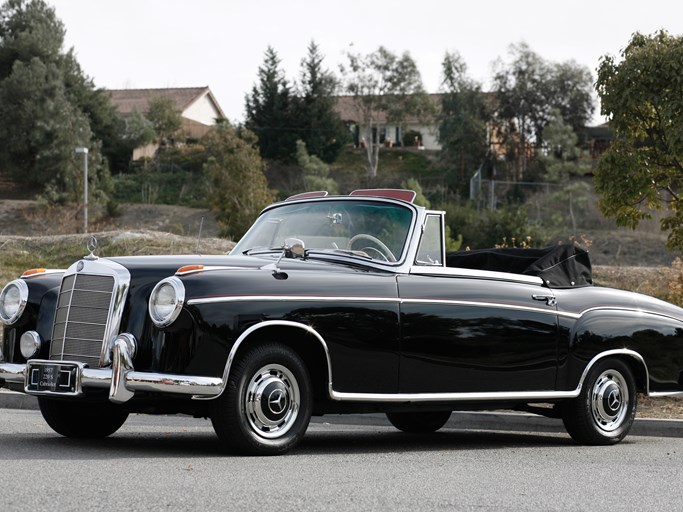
(85, 187)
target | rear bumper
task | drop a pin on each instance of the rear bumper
(121, 379)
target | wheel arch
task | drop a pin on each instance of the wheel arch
(633, 359)
(300, 338)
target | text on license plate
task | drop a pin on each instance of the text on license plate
(56, 378)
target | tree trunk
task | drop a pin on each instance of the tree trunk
(371, 151)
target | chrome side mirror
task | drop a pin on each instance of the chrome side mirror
(294, 248)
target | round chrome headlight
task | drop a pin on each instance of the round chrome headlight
(13, 300)
(30, 343)
(166, 301)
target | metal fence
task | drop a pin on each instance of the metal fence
(490, 194)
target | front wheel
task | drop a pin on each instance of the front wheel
(419, 422)
(84, 420)
(604, 411)
(266, 406)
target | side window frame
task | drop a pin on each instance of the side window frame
(433, 230)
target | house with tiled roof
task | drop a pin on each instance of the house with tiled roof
(198, 109)
(390, 133)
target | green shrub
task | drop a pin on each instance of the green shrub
(175, 187)
(481, 229)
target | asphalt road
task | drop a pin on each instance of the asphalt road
(173, 463)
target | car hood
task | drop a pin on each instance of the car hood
(163, 266)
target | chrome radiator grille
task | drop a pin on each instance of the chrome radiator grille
(83, 311)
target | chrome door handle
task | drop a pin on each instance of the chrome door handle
(549, 299)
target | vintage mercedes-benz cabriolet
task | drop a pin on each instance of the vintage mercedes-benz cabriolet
(336, 305)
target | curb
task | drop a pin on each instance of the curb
(511, 422)
(464, 420)
(14, 400)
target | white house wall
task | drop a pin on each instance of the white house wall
(202, 111)
(430, 134)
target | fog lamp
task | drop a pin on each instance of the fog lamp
(30, 344)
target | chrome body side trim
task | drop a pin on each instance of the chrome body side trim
(662, 394)
(390, 300)
(476, 304)
(623, 309)
(473, 273)
(454, 302)
(287, 298)
(200, 387)
(451, 397)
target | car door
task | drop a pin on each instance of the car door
(465, 331)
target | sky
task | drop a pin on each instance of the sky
(221, 43)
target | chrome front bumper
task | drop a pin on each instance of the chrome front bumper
(121, 379)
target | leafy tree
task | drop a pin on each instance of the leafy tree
(462, 120)
(527, 90)
(522, 101)
(414, 185)
(386, 89)
(135, 131)
(564, 164)
(642, 96)
(315, 171)
(322, 130)
(269, 111)
(165, 118)
(43, 114)
(238, 187)
(571, 92)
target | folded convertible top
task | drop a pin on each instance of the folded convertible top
(560, 266)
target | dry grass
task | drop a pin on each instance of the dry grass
(19, 253)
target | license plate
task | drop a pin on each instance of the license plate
(50, 377)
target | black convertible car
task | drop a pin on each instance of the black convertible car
(336, 305)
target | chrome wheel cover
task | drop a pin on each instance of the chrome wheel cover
(272, 401)
(610, 401)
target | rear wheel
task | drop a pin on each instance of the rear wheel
(604, 411)
(266, 406)
(419, 422)
(78, 419)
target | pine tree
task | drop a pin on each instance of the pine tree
(322, 130)
(269, 111)
(47, 106)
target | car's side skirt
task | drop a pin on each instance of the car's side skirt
(452, 397)
(522, 396)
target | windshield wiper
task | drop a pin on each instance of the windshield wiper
(292, 248)
(343, 251)
(259, 250)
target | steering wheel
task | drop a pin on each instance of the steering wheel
(385, 252)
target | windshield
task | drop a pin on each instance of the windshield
(367, 229)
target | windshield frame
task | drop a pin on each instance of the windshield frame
(342, 254)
